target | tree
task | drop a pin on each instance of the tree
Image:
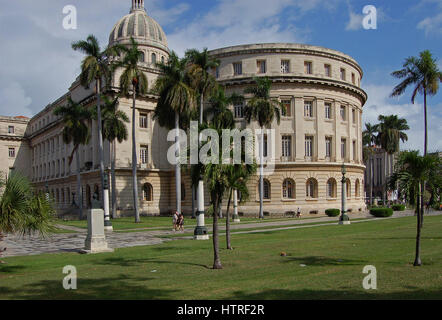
(263, 109)
(176, 98)
(96, 67)
(22, 210)
(132, 79)
(390, 133)
(203, 83)
(411, 171)
(75, 131)
(425, 75)
(369, 140)
(114, 129)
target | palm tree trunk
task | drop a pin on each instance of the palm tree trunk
(385, 179)
(417, 260)
(177, 166)
(261, 175)
(216, 258)
(371, 180)
(114, 183)
(100, 143)
(229, 247)
(220, 209)
(134, 160)
(425, 153)
(79, 191)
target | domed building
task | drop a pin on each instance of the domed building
(320, 130)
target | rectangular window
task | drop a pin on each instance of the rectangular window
(343, 118)
(308, 146)
(343, 148)
(308, 109)
(262, 66)
(286, 146)
(239, 111)
(354, 151)
(353, 78)
(11, 129)
(288, 108)
(342, 74)
(143, 154)
(11, 152)
(285, 66)
(237, 68)
(327, 69)
(353, 116)
(328, 111)
(143, 120)
(265, 146)
(328, 147)
(308, 67)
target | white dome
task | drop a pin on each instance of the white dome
(144, 29)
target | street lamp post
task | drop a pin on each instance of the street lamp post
(344, 219)
(107, 222)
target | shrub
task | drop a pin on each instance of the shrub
(398, 207)
(381, 212)
(333, 212)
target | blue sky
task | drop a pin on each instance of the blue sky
(37, 64)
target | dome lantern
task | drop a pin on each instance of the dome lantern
(137, 5)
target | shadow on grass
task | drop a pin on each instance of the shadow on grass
(122, 262)
(4, 268)
(343, 294)
(108, 288)
(323, 261)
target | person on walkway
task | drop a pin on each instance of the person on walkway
(298, 214)
(175, 221)
(181, 222)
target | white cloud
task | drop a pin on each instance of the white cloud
(14, 101)
(431, 24)
(355, 22)
(379, 102)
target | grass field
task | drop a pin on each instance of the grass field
(323, 262)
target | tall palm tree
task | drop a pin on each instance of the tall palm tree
(22, 211)
(96, 67)
(75, 131)
(412, 170)
(424, 74)
(390, 133)
(176, 97)
(204, 83)
(133, 79)
(263, 109)
(114, 129)
(369, 140)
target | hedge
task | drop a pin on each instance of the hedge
(381, 212)
(333, 212)
(398, 207)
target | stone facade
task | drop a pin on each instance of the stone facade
(308, 162)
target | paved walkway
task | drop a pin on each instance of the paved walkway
(72, 242)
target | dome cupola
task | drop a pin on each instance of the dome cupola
(137, 24)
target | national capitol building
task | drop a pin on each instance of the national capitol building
(320, 130)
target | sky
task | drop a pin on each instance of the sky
(37, 64)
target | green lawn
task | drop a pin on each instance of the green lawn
(334, 257)
(128, 223)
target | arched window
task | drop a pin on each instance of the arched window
(357, 189)
(288, 189)
(348, 188)
(162, 60)
(147, 192)
(312, 188)
(154, 58)
(142, 58)
(267, 189)
(331, 188)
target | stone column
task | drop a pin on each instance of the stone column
(96, 239)
(200, 232)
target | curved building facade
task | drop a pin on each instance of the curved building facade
(320, 131)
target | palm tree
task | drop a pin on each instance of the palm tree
(96, 67)
(22, 211)
(424, 73)
(176, 97)
(204, 83)
(412, 170)
(75, 131)
(133, 78)
(369, 140)
(114, 129)
(390, 133)
(263, 109)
